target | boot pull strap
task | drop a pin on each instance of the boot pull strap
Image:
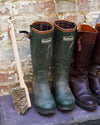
(79, 44)
(26, 32)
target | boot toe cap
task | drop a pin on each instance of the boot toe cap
(66, 101)
(87, 103)
(91, 102)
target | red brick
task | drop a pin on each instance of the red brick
(74, 17)
(23, 22)
(71, 17)
(33, 7)
(93, 18)
(4, 90)
(66, 6)
(4, 25)
(7, 65)
(5, 8)
(94, 5)
(49, 18)
(83, 5)
(88, 5)
(6, 77)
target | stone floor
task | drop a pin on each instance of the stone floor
(8, 116)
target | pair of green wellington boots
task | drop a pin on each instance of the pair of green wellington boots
(52, 43)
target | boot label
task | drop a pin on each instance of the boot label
(68, 38)
(46, 40)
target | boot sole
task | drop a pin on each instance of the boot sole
(45, 112)
(65, 108)
(88, 108)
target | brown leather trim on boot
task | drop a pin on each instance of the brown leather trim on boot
(44, 31)
(61, 27)
(87, 34)
(86, 28)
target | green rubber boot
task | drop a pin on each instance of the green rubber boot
(41, 42)
(64, 38)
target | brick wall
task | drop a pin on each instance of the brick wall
(23, 13)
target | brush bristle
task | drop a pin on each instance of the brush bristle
(20, 100)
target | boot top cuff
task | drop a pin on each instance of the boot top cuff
(86, 28)
(42, 27)
(65, 26)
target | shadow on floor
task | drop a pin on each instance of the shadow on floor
(95, 122)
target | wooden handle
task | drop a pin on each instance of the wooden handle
(16, 54)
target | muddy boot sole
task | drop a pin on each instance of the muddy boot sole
(62, 108)
(45, 112)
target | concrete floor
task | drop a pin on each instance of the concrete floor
(8, 116)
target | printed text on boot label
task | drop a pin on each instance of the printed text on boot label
(68, 38)
(46, 40)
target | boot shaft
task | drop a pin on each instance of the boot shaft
(64, 38)
(41, 45)
(63, 43)
(84, 46)
(96, 51)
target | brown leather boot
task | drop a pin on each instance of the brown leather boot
(94, 68)
(79, 76)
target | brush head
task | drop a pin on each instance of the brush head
(19, 99)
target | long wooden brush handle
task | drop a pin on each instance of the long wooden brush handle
(16, 54)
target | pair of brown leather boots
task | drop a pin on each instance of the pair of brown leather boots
(84, 81)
